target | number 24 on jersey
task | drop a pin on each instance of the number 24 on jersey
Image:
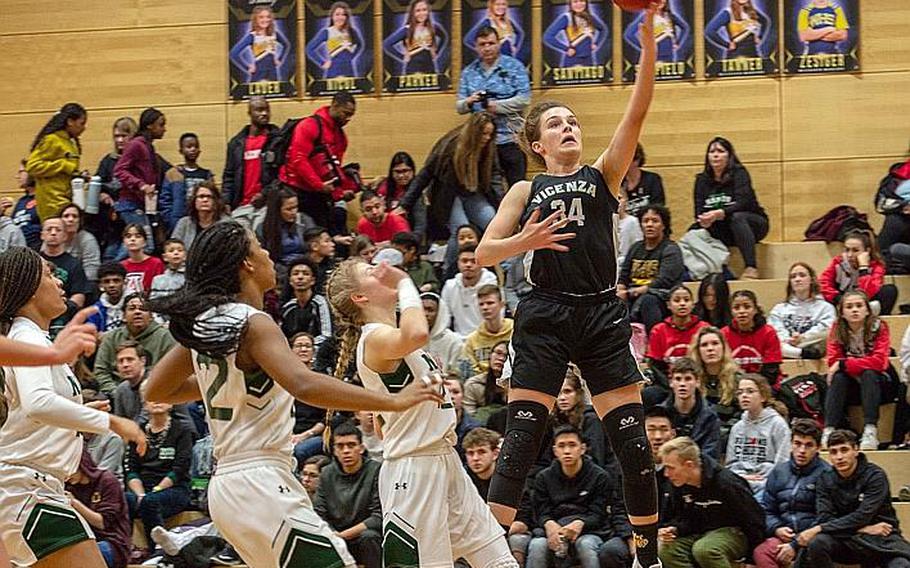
(574, 212)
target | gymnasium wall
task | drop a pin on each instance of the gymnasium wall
(810, 142)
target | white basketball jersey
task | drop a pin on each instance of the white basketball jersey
(419, 428)
(247, 413)
(51, 444)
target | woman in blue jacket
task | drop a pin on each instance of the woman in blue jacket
(578, 34)
(335, 47)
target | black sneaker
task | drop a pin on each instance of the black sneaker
(227, 557)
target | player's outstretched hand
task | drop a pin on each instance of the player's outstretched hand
(417, 392)
(543, 235)
(77, 338)
(130, 432)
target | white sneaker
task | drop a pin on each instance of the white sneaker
(637, 564)
(826, 433)
(163, 538)
(869, 441)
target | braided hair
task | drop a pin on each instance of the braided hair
(20, 275)
(212, 280)
(73, 111)
(347, 320)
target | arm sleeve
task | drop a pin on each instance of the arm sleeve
(390, 44)
(828, 280)
(47, 160)
(776, 320)
(104, 374)
(671, 268)
(180, 468)
(551, 35)
(302, 144)
(521, 98)
(238, 55)
(769, 503)
(630, 35)
(625, 271)
(713, 28)
(172, 185)
(802, 21)
(315, 48)
(91, 255)
(823, 324)
(319, 504)
(470, 38)
(227, 176)
(420, 181)
(709, 437)
(41, 403)
(834, 351)
(464, 91)
(701, 192)
(543, 506)
(840, 22)
(325, 322)
(78, 283)
(874, 496)
(123, 170)
(743, 194)
(872, 281)
(824, 506)
(374, 521)
(684, 30)
(593, 517)
(112, 505)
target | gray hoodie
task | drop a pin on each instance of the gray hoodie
(445, 345)
(810, 318)
(10, 234)
(756, 446)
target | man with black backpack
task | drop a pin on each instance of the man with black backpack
(311, 165)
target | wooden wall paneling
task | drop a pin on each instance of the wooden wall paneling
(160, 66)
(22, 16)
(814, 187)
(884, 43)
(845, 116)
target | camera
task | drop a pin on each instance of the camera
(483, 98)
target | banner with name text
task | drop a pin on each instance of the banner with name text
(416, 45)
(510, 18)
(339, 47)
(741, 38)
(821, 36)
(674, 26)
(577, 42)
(262, 39)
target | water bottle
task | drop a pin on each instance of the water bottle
(94, 193)
(563, 550)
(77, 184)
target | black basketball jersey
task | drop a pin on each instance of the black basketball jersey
(589, 266)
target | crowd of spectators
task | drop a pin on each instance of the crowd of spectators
(740, 476)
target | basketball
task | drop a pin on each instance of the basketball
(632, 5)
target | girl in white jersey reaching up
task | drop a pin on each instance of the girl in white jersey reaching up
(41, 415)
(432, 513)
(234, 357)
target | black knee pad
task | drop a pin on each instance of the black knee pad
(525, 428)
(625, 427)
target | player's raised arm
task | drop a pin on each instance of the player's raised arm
(615, 160)
(500, 241)
(268, 348)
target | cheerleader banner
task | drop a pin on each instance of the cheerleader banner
(821, 36)
(339, 46)
(416, 45)
(263, 48)
(577, 44)
(673, 27)
(740, 38)
(510, 18)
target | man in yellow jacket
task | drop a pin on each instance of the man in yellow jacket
(54, 159)
(493, 329)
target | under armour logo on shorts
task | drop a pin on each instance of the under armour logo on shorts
(401, 486)
(284, 489)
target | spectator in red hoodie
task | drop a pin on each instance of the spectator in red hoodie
(670, 339)
(98, 496)
(314, 158)
(858, 349)
(138, 172)
(378, 223)
(753, 343)
(859, 267)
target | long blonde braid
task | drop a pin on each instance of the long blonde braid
(347, 320)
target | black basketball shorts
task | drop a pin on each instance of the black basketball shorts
(594, 334)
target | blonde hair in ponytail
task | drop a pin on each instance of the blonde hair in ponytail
(348, 321)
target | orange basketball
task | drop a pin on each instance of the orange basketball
(632, 5)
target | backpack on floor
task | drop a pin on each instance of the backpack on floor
(804, 396)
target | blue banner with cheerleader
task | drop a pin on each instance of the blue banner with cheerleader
(339, 46)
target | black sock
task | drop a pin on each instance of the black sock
(645, 539)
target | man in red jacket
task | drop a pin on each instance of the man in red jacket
(314, 158)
